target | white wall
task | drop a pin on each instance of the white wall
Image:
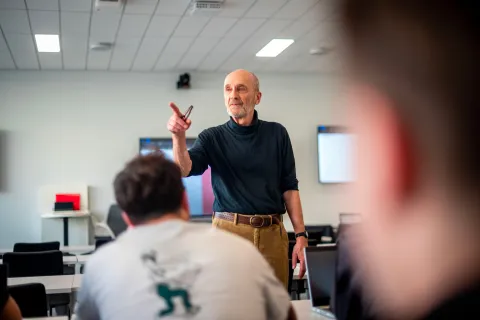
(66, 127)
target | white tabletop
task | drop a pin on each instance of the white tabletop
(296, 271)
(303, 309)
(77, 281)
(53, 284)
(83, 258)
(66, 214)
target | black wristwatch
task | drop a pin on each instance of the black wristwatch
(302, 234)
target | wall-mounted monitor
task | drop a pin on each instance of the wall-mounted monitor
(335, 154)
(198, 188)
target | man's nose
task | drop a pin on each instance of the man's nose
(234, 93)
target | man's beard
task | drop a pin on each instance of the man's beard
(241, 113)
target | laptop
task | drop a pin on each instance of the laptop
(321, 265)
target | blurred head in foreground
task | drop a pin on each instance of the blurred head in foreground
(150, 189)
(413, 91)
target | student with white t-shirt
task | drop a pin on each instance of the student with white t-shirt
(165, 267)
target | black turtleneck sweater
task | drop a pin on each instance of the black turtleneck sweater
(252, 166)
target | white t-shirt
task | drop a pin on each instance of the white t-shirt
(180, 270)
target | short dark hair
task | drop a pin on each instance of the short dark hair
(424, 56)
(149, 187)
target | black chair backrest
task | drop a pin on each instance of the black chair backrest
(36, 247)
(33, 264)
(321, 233)
(31, 298)
(115, 221)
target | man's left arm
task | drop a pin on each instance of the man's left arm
(291, 196)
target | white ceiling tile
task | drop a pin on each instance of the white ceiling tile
(294, 9)
(172, 7)
(23, 50)
(45, 22)
(133, 25)
(300, 26)
(74, 50)
(197, 52)
(148, 54)
(124, 53)
(14, 21)
(173, 52)
(246, 51)
(245, 27)
(76, 5)
(220, 53)
(6, 61)
(3, 43)
(104, 26)
(74, 23)
(253, 64)
(235, 8)
(98, 60)
(50, 60)
(190, 26)
(12, 4)
(141, 6)
(218, 27)
(42, 5)
(264, 8)
(271, 28)
(162, 26)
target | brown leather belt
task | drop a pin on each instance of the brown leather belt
(256, 221)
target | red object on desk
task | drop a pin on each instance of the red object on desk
(75, 198)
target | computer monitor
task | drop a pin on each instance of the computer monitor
(199, 188)
(321, 262)
(335, 154)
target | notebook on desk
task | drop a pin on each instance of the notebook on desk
(321, 263)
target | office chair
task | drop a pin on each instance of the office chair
(36, 247)
(114, 223)
(31, 298)
(37, 264)
(34, 264)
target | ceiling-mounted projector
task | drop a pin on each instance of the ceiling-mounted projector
(206, 7)
(105, 4)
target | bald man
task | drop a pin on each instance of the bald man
(253, 173)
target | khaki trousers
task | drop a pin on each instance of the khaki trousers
(271, 241)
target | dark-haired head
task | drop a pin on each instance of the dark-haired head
(150, 187)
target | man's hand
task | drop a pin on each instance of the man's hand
(176, 124)
(298, 254)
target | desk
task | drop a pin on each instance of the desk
(303, 309)
(295, 273)
(67, 260)
(77, 281)
(65, 215)
(82, 258)
(53, 284)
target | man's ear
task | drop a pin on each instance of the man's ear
(127, 220)
(258, 98)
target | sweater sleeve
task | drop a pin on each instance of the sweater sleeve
(198, 155)
(289, 175)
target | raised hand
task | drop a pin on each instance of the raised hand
(176, 124)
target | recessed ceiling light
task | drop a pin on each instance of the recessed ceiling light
(274, 48)
(47, 42)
